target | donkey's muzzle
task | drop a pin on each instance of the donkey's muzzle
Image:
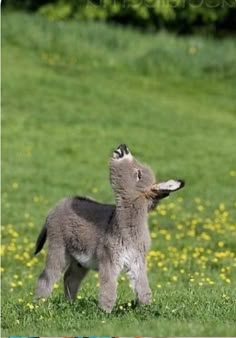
(121, 151)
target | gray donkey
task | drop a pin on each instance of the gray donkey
(84, 234)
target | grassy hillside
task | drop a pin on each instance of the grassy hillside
(71, 93)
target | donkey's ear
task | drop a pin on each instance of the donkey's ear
(169, 186)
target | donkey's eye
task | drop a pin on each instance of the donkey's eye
(139, 175)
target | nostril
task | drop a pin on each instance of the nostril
(118, 153)
(121, 151)
(124, 149)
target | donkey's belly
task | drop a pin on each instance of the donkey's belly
(87, 261)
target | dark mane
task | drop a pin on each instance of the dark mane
(90, 200)
(87, 199)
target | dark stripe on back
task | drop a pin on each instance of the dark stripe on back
(87, 199)
(111, 216)
(82, 198)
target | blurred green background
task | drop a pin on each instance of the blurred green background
(206, 16)
(79, 80)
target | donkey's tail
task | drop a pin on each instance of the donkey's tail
(41, 239)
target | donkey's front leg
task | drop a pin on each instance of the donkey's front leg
(139, 282)
(107, 294)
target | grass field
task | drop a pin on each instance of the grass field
(71, 93)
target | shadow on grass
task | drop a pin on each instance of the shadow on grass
(88, 307)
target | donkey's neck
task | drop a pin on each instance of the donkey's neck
(131, 216)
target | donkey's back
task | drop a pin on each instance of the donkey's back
(74, 218)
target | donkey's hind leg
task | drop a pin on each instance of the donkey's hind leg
(56, 263)
(73, 278)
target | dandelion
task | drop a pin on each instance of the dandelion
(168, 237)
(26, 255)
(179, 226)
(225, 297)
(36, 199)
(192, 50)
(225, 214)
(200, 208)
(191, 233)
(30, 306)
(153, 235)
(205, 236)
(232, 173)
(221, 244)
(15, 185)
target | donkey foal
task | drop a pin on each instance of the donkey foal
(84, 234)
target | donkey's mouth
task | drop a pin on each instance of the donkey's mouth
(121, 152)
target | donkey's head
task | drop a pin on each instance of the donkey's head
(131, 179)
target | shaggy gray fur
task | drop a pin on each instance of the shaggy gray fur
(84, 234)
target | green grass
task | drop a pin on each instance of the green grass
(71, 93)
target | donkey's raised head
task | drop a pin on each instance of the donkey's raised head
(131, 179)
